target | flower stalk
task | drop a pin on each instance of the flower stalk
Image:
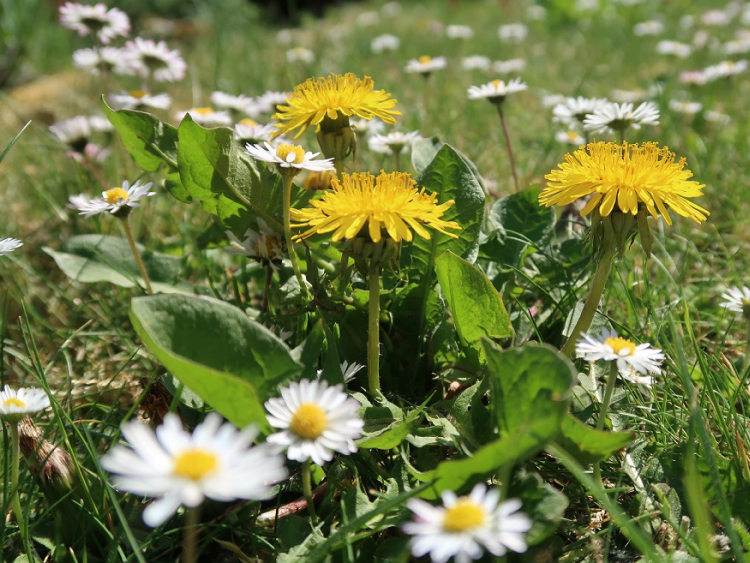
(136, 254)
(15, 460)
(611, 379)
(511, 157)
(287, 178)
(307, 489)
(373, 333)
(190, 542)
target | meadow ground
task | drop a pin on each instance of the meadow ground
(659, 472)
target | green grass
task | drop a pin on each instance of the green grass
(691, 432)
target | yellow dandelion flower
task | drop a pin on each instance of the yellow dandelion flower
(628, 176)
(334, 97)
(389, 202)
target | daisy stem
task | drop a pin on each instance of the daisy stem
(267, 289)
(190, 543)
(373, 334)
(508, 145)
(747, 350)
(15, 457)
(288, 233)
(397, 157)
(592, 301)
(136, 254)
(611, 379)
(307, 489)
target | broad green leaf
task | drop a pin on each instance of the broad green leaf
(544, 504)
(529, 385)
(232, 362)
(392, 435)
(476, 306)
(216, 171)
(100, 258)
(424, 151)
(589, 445)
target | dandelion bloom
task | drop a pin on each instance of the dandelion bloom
(335, 96)
(388, 201)
(626, 175)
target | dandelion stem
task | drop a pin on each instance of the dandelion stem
(611, 379)
(592, 301)
(190, 544)
(508, 145)
(307, 489)
(373, 333)
(287, 177)
(136, 254)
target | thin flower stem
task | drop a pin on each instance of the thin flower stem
(190, 543)
(339, 164)
(747, 350)
(134, 248)
(592, 301)
(288, 232)
(373, 333)
(267, 288)
(397, 157)
(508, 145)
(15, 457)
(611, 379)
(307, 489)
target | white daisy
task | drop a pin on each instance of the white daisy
(75, 132)
(105, 23)
(149, 58)
(688, 108)
(393, 142)
(574, 110)
(385, 42)
(650, 27)
(716, 17)
(117, 201)
(631, 359)
(140, 99)
(512, 32)
(511, 65)
(111, 58)
(551, 100)
(367, 19)
(694, 77)
(207, 117)
(368, 126)
(237, 104)
(100, 123)
(497, 90)
(725, 69)
(290, 156)
(347, 370)
(737, 47)
(249, 131)
(458, 32)
(476, 62)
(9, 245)
(300, 55)
(619, 117)
(215, 461)
(315, 420)
(627, 96)
(268, 101)
(426, 64)
(16, 405)
(391, 9)
(680, 50)
(570, 137)
(716, 117)
(265, 244)
(737, 299)
(536, 12)
(466, 526)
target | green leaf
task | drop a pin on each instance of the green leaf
(589, 445)
(476, 306)
(529, 385)
(424, 151)
(544, 504)
(100, 258)
(216, 171)
(232, 362)
(392, 435)
(13, 142)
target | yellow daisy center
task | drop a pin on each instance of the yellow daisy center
(114, 195)
(195, 464)
(497, 83)
(463, 516)
(283, 152)
(309, 421)
(249, 122)
(620, 344)
(138, 93)
(424, 59)
(730, 64)
(572, 135)
(626, 176)
(203, 111)
(13, 402)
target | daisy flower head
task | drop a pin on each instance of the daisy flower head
(263, 244)
(737, 300)
(694, 77)
(248, 131)
(725, 69)
(74, 132)
(364, 127)
(623, 178)
(236, 104)
(688, 108)
(378, 207)
(149, 58)
(425, 65)
(497, 90)
(675, 48)
(140, 100)
(97, 20)
(512, 32)
(634, 361)
(300, 55)
(111, 59)
(290, 158)
(314, 420)
(208, 117)
(570, 137)
(464, 527)
(16, 405)
(619, 117)
(9, 245)
(328, 103)
(269, 101)
(574, 110)
(459, 32)
(650, 27)
(385, 42)
(511, 65)
(215, 461)
(476, 62)
(117, 201)
(627, 96)
(394, 142)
